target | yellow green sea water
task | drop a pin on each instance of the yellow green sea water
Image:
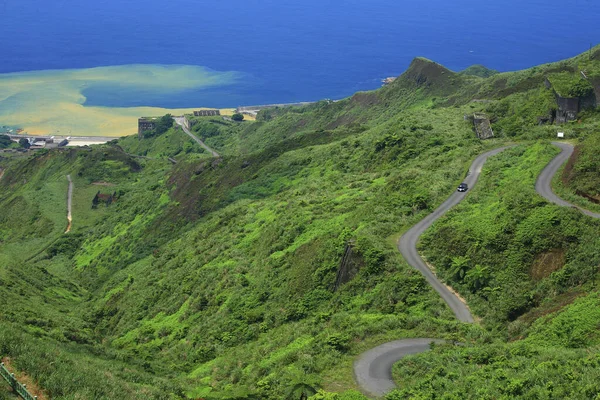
(53, 101)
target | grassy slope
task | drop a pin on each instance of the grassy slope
(42, 329)
(218, 275)
(174, 143)
(522, 261)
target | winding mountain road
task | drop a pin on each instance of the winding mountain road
(543, 183)
(180, 122)
(373, 369)
(408, 242)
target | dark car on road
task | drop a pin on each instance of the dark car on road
(463, 187)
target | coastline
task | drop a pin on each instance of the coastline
(53, 102)
(97, 121)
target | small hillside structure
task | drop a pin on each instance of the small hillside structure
(106, 199)
(573, 94)
(568, 108)
(145, 124)
(207, 113)
(483, 127)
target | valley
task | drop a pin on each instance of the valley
(217, 278)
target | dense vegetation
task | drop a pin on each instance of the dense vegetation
(480, 71)
(5, 141)
(162, 125)
(518, 261)
(582, 174)
(569, 84)
(219, 278)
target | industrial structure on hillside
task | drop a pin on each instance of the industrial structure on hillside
(145, 124)
(207, 113)
(483, 127)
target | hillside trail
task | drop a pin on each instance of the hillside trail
(373, 369)
(179, 121)
(1, 173)
(69, 204)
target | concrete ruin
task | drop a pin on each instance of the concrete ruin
(207, 113)
(101, 198)
(144, 125)
(483, 127)
(568, 108)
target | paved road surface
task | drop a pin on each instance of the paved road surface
(408, 242)
(373, 368)
(542, 185)
(69, 204)
(179, 121)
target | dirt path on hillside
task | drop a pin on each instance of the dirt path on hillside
(1, 173)
(69, 204)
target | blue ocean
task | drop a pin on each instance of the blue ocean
(287, 51)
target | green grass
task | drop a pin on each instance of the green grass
(498, 370)
(570, 84)
(174, 143)
(503, 226)
(569, 195)
(215, 278)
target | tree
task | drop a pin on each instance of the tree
(237, 117)
(162, 125)
(459, 267)
(24, 143)
(477, 278)
(5, 141)
(300, 391)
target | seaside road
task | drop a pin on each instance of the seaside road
(543, 183)
(179, 121)
(372, 370)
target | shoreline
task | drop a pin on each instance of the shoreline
(52, 102)
(250, 113)
(115, 123)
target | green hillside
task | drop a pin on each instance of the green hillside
(220, 278)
